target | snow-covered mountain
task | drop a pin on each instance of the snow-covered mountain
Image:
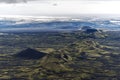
(43, 23)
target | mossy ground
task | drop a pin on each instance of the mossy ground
(71, 56)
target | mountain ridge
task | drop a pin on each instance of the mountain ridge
(56, 23)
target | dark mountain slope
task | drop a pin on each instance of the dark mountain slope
(30, 54)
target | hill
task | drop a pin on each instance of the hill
(83, 59)
(86, 47)
(30, 54)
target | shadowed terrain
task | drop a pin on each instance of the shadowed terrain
(30, 54)
(77, 55)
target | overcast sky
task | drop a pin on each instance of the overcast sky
(58, 7)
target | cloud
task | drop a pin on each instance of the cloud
(15, 1)
(101, 0)
(24, 1)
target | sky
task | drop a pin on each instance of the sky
(58, 7)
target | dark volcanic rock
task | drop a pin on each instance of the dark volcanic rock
(84, 28)
(30, 54)
(91, 30)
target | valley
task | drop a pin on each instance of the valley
(75, 55)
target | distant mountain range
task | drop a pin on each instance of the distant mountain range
(11, 24)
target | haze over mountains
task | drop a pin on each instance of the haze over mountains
(44, 23)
